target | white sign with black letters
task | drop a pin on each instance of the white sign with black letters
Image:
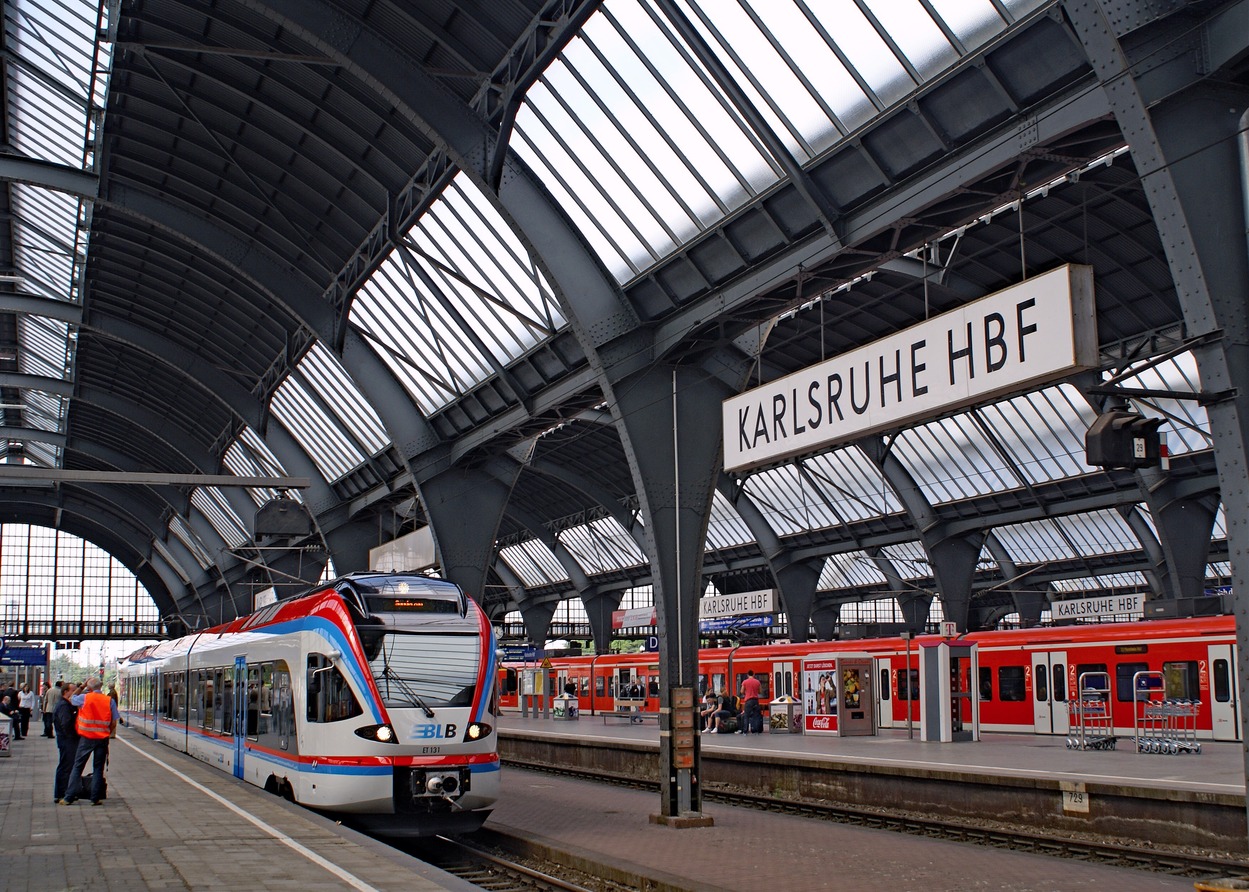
(1040, 330)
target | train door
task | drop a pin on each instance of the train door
(1049, 692)
(884, 692)
(1224, 693)
(783, 680)
(238, 720)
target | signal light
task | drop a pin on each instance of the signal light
(1123, 439)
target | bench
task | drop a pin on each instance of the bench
(634, 717)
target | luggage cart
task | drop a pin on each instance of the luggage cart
(1150, 715)
(1092, 726)
(1163, 724)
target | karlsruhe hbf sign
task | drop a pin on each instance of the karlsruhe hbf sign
(1040, 330)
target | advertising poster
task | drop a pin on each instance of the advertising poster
(819, 695)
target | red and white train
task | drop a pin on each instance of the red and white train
(369, 697)
(1024, 679)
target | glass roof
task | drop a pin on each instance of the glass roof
(602, 546)
(55, 75)
(217, 511)
(642, 144)
(533, 563)
(853, 569)
(248, 456)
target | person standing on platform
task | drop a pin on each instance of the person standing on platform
(26, 708)
(51, 700)
(752, 716)
(97, 717)
(65, 721)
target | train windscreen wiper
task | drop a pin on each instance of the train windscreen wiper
(413, 697)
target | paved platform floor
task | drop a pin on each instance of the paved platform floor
(1219, 768)
(748, 849)
(172, 823)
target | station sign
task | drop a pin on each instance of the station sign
(1094, 608)
(739, 604)
(24, 655)
(1041, 330)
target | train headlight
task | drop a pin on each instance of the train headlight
(476, 731)
(379, 733)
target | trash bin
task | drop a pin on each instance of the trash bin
(564, 708)
(786, 716)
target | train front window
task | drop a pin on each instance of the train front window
(426, 670)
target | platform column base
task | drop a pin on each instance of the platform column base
(682, 822)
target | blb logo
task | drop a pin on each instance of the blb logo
(433, 732)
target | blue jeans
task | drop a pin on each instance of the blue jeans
(68, 748)
(97, 750)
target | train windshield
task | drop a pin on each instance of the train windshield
(426, 670)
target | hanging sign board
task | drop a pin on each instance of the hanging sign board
(1041, 330)
(1094, 608)
(716, 606)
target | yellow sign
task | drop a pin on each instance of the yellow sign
(546, 663)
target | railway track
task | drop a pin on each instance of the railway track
(1191, 864)
(497, 871)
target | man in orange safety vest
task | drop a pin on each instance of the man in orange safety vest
(97, 717)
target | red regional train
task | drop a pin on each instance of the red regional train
(370, 697)
(1024, 679)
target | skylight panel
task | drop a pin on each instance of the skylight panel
(853, 569)
(248, 456)
(909, 27)
(1034, 542)
(324, 375)
(726, 529)
(909, 559)
(217, 511)
(1099, 532)
(315, 427)
(533, 563)
(787, 502)
(1042, 432)
(951, 459)
(602, 546)
(1187, 426)
(1099, 583)
(973, 21)
(458, 299)
(852, 484)
(44, 342)
(184, 534)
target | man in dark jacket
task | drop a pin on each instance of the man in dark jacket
(65, 721)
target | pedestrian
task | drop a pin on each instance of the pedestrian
(26, 708)
(65, 721)
(51, 700)
(97, 717)
(752, 715)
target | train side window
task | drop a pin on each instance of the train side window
(1221, 676)
(884, 684)
(1123, 680)
(1060, 683)
(330, 698)
(1011, 687)
(1041, 687)
(600, 686)
(1181, 680)
(986, 684)
(908, 684)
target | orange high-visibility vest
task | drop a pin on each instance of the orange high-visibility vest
(95, 716)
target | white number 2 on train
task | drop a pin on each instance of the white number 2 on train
(433, 732)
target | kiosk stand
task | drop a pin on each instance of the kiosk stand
(948, 702)
(535, 693)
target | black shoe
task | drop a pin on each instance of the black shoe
(96, 802)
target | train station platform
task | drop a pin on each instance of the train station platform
(1187, 799)
(172, 823)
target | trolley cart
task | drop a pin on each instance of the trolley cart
(1092, 726)
(1150, 716)
(1163, 724)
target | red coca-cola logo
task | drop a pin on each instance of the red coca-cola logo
(821, 723)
